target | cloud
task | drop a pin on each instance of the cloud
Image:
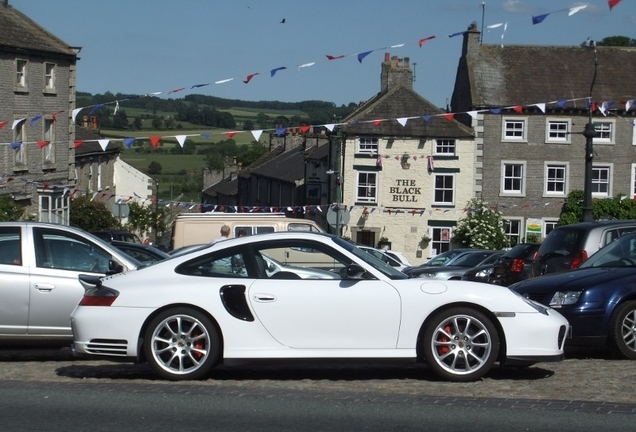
(519, 6)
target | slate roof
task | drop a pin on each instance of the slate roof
(288, 166)
(525, 75)
(19, 32)
(399, 102)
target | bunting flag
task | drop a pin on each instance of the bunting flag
(257, 134)
(330, 57)
(35, 119)
(17, 123)
(181, 139)
(199, 85)
(176, 90)
(612, 3)
(77, 143)
(361, 56)
(403, 121)
(230, 134)
(423, 40)
(539, 18)
(16, 145)
(96, 107)
(103, 143)
(3, 124)
(273, 71)
(249, 77)
(129, 142)
(43, 144)
(305, 129)
(154, 140)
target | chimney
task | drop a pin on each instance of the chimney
(472, 41)
(395, 71)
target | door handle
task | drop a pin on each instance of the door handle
(44, 287)
(264, 297)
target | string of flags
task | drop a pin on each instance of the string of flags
(603, 107)
(537, 19)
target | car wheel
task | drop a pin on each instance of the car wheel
(182, 344)
(460, 344)
(622, 335)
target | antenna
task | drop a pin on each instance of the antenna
(483, 14)
(414, 68)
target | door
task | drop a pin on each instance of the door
(14, 282)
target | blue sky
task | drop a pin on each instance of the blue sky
(145, 46)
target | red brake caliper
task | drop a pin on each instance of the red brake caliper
(200, 345)
(442, 350)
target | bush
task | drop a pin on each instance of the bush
(91, 215)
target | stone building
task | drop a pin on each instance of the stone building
(37, 89)
(407, 168)
(529, 107)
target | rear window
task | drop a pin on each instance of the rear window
(563, 241)
(522, 251)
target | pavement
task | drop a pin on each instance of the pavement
(585, 376)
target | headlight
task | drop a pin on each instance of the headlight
(484, 273)
(427, 275)
(561, 298)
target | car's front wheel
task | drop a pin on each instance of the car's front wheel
(182, 344)
(622, 335)
(460, 344)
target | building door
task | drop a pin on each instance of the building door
(366, 238)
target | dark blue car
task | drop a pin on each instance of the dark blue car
(598, 298)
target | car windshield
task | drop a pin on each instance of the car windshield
(619, 253)
(562, 241)
(379, 265)
(443, 258)
(471, 259)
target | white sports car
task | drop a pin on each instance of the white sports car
(218, 305)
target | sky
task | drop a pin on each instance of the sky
(149, 46)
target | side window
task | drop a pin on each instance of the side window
(296, 259)
(228, 263)
(66, 251)
(10, 246)
(301, 227)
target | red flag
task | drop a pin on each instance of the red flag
(613, 3)
(249, 77)
(230, 134)
(518, 108)
(422, 41)
(78, 143)
(449, 116)
(154, 140)
(176, 90)
(330, 57)
(3, 124)
(43, 144)
(377, 122)
(305, 128)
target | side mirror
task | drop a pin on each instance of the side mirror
(114, 267)
(355, 271)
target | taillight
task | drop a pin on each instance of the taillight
(578, 259)
(99, 297)
(516, 266)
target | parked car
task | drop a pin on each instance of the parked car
(568, 246)
(515, 265)
(481, 273)
(190, 313)
(456, 267)
(398, 256)
(146, 254)
(117, 235)
(598, 298)
(39, 267)
(384, 256)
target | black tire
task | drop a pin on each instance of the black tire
(182, 344)
(622, 334)
(460, 344)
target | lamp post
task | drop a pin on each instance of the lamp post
(589, 133)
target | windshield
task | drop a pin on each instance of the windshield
(379, 265)
(471, 259)
(443, 258)
(619, 253)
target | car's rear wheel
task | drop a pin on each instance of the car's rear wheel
(622, 335)
(460, 344)
(182, 344)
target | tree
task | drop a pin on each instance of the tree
(619, 207)
(91, 215)
(120, 120)
(137, 123)
(623, 41)
(154, 168)
(9, 209)
(481, 228)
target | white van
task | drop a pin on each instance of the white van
(199, 228)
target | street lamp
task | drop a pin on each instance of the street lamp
(589, 133)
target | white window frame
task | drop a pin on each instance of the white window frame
(21, 78)
(607, 130)
(549, 225)
(20, 155)
(552, 166)
(440, 239)
(512, 192)
(444, 189)
(511, 134)
(99, 175)
(371, 195)
(50, 71)
(53, 207)
(48, 151)
(445, 147)
(597, 168)
(368, 145)
(554, 132)
(634, 132)
(632, 182)
(513, 229)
